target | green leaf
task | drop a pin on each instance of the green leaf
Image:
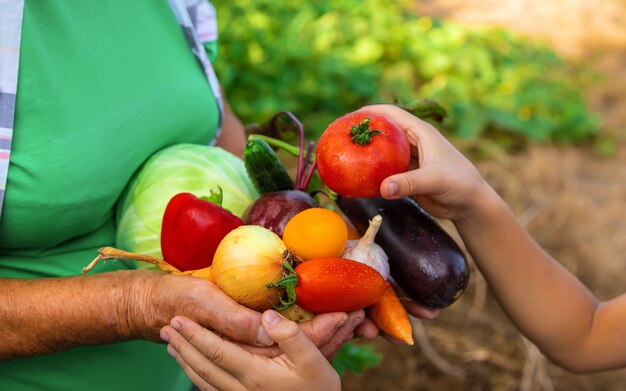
(355, 358)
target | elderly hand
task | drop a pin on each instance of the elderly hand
(156, 298)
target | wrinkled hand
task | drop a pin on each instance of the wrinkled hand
(445, 183)
(157, 297)
(213, 363)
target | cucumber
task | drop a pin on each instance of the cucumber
(264, 168)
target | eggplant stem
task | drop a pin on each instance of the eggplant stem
(117, 254)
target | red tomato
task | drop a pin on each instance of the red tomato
(337, 285)
(357, 151)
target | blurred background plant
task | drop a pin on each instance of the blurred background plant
(323, 59)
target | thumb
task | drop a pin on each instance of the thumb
(422, 181)
(297, 346)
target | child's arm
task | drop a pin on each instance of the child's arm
(214, 363)
(546, 302)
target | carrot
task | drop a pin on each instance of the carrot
(391, 317)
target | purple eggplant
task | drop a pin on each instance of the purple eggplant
(424, 260)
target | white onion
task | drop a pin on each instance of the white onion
(248, 259)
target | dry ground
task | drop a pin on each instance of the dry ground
(570, 199)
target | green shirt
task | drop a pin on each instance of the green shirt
(102, 86)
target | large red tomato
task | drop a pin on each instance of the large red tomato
(357, 151)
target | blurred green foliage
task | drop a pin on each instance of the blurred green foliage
(355, 358)
(323, 59)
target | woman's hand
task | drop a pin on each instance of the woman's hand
(157, 297)
(214, 363)
(445, 183)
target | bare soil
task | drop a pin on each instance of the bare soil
(571, 200)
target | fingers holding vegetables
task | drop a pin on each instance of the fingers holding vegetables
(247, 259)
(223, 365)
(202, 355)
(297, 347)
(157, 297)
(328, 331)
(446, 182)
(339, 333)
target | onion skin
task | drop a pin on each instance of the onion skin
(248, 259)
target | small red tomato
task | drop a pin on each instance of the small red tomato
(337, 285)
(357, 151)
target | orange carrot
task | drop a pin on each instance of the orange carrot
(391, 317)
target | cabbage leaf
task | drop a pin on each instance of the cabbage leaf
(180, 168)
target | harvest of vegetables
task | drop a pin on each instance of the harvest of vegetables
(287, 249)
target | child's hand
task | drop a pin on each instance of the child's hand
(445, 183)
(213, 363)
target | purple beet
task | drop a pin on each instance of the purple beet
(273, 210)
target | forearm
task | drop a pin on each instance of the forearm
(233, 136)
(546, 302)
(46, 315)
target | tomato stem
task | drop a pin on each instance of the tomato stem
(288, 283)
(362, 134)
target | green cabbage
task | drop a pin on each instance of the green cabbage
(180, 168)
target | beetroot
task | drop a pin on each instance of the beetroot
(273, 210)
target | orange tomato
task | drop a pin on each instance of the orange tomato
(316, 233)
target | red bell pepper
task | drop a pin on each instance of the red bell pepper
(192, 229)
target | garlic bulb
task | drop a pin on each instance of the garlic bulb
(366, 251)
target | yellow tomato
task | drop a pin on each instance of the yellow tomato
(316, 233)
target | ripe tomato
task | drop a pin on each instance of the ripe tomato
(316, 233)
(337, 285)
(357, 151)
